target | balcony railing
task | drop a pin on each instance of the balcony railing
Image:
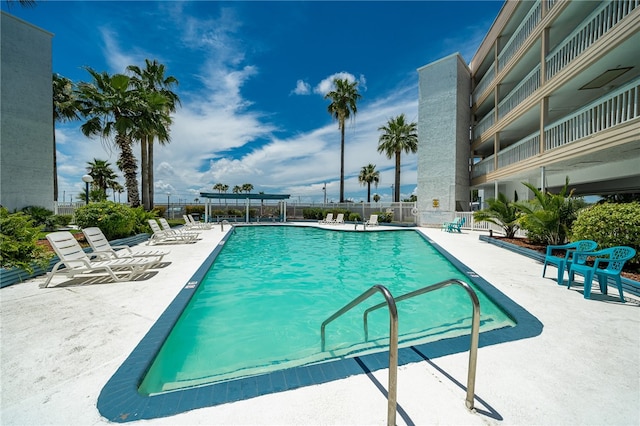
(525, 29)
(616, 108)
(521, 92)
(605, 17)
(483, 167)
(484, 124)
(485, 82)
(605, 113)
(520, 151)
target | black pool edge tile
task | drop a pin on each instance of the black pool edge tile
(119, 400)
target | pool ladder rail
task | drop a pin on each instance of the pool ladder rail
(390, 302)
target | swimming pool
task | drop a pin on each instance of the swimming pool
(260, 305)
(121, 401)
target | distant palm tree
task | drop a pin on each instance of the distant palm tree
(152, 79)
(65, 108)
(247, 187)
(116, 188)
(398, 136)
(376, 198)
(237, 190)
(218, 187)
(369, 175)
(343, 105)
(103, 176)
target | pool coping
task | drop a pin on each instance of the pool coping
(120, 401)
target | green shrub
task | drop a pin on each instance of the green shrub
(63, 219)
(313, 213)
(160, 210)
(39, 215)
(115, 220)
(19, 242)
(354, 216)
(610, 225)
(198, 209)
(141, 218)
(384, 217)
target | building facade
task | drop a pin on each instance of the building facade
(553, 92)
(26, 115)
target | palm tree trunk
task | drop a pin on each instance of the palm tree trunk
(55, 168)
(150, 173)
(397, 192)
(129, 169)
(368, 192)
(144, 163)
(342, 160)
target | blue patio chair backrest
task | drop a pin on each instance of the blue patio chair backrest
(615, 258)
(581, 246)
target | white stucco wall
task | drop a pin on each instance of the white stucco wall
(443, 139)
(26, 111)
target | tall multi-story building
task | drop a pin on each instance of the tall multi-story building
(26, 115)
(552, 93)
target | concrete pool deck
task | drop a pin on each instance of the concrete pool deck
(60, 345)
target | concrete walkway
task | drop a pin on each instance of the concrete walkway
(60, 345)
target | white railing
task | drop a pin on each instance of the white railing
(525, 29)
(605, 17)
(472, 225)
(485, 82)
(484, 124)
(68, 208)
(521, 92)
(616, 108)
(520, 151)
(482, 167)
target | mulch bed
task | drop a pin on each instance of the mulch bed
(629, 271)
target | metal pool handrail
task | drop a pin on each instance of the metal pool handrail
(393, 342)
(475, 328)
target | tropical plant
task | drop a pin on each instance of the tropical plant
(397, 136)
(115, 220)
(501, 212)
(152, 79)
(376, 198)
(247, 187)
(219, 187)
(344, 98)
(103, 176)
(65, 108)
(369, 175)
(548, 217)
(237, 189)
(112, 106)
(610, 224)
(19, 246)
(116, 188)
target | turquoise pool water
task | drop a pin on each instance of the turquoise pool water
(261, 304)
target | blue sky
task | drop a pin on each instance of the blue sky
(252, 81)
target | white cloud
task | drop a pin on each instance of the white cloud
(326, 85)
(302, 88)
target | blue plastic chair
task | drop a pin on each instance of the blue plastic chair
(447, 225)
(614, 257)
(565, 262)
(455, 225)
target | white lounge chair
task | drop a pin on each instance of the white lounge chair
(166, 227)
(339, 219)
(328, 219)
(105, 251)
(161, 236)
(191, 223)
(76, 261)
(373, 220)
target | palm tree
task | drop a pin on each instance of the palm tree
(247, 187)
(152, 79)
(116, 188)
(343, 105)
(501, 212)
(65, 108)
(398, 136)
(237, 190)
(113, 106)
(103, 176)
(369, 175)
